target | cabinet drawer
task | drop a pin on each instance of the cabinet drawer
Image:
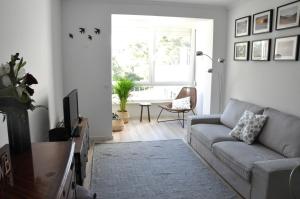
(69, 186)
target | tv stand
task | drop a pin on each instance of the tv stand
(81, 146)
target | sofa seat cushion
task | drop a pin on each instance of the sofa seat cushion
(208, 134)
(240, 157)
(234, 111)
(281, 133)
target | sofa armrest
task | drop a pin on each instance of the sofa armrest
(270, 179)
(205, 119)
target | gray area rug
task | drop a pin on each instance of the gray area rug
(154, 170)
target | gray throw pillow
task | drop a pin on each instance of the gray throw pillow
(253, 128)
(248, 127)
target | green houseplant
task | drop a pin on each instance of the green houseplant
(122, 88)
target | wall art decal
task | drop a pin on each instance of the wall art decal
(97, 31)
(82, 30)
(71, 35)
(90, 37)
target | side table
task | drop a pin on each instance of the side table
(142, 105)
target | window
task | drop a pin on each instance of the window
(156, 52)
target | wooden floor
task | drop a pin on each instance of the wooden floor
(149, 131)
(140, 131)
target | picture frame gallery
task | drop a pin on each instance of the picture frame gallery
(285, 48)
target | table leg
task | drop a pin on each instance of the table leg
(148, 114)
(141, 116)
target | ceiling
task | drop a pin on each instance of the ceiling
(226, 3)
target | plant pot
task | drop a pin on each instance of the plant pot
(17, 125)
(124, 116)
(117, 125)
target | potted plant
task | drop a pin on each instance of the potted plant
(15, 99)
(122, 88)
(117, 123)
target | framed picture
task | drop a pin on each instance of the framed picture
(242, 26)
(288, 16)
(286, 48)
(262, 22)
(261, 50)
(241, 51)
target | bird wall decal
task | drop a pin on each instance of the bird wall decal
(71, 35)
(90, 37)
(82, 30)
(97, 31)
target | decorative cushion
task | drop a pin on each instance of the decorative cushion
(238, 129)
(182, 103)
(248, 127)
(253, 128)
(234, 111)
(281, 133)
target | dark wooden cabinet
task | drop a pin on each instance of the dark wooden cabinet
(81, 146)
(47, 171)
(81, 151)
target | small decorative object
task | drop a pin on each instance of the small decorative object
(262, 22)
(242, 26)
(288, 16)
(286, 48)
(90, 37)
(15, 100)
(117, 123)
(82, 30)
(122, 88)
(71, 35)
(97, 31)
(241, 51)
(261, 50)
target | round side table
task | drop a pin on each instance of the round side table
(142, 105)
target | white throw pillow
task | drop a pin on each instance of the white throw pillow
(183, 103)
(248, 127)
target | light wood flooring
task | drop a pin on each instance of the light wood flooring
(149, 131)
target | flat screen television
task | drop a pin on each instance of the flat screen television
(71, 116)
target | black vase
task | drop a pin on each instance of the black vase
(17, 125)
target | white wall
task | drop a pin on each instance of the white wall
(274, 84)
(26, 27)
(87, 65)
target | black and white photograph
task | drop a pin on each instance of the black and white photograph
(288, 16)
(242, 26)
(261, 50)
(241, 51)
(286, 48)
(262, 22)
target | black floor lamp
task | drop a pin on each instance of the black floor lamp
(211, 70)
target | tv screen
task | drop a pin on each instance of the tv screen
(71, 117)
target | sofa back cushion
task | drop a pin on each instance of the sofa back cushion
(281, 133)
(234, 111)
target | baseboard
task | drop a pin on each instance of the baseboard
(100, 138)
